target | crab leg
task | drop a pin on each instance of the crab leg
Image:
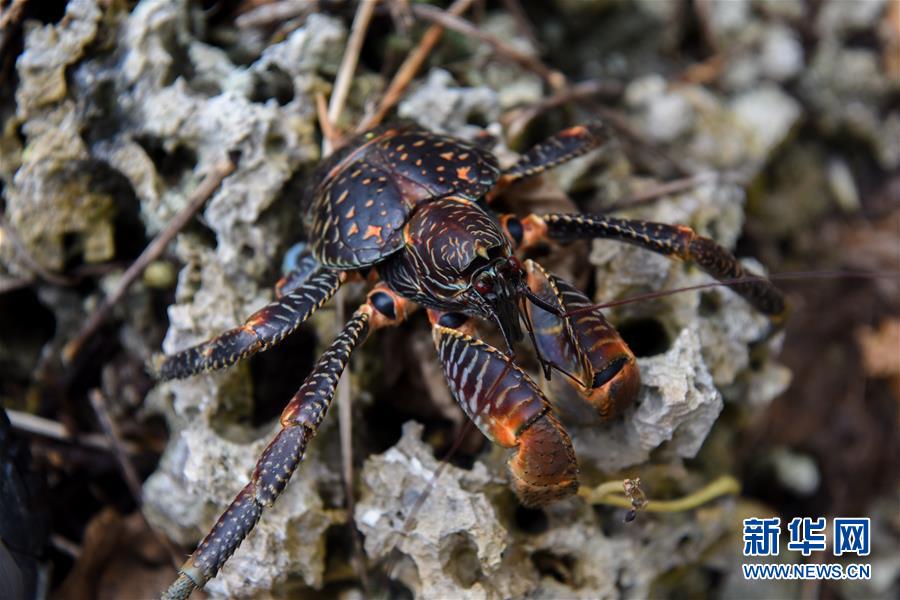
(509, 408)
(555, 150)
(263, 329)
(300, 421)
(677, 241)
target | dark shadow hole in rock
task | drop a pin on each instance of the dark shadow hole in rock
(462, 563)
(864, 39)
(48, 12)
(381, 39)
(26, 325)
(478, 119)
(531, 520)
(102, 119)
(129, 233)
(338, 546)
(170, 164)
(181, 65)
(332, 495)
(284, 218)
(278, 373)
(73, 250)
(645, 337)
(559, 567)
(386, 587)
(710, 304)
(247, 252)
(272, 83)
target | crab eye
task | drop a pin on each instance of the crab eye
(514, 263)
(484, 286)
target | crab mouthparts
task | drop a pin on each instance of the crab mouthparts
(506, 314)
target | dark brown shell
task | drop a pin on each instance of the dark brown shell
(364, 193)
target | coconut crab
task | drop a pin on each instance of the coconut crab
(411, 210)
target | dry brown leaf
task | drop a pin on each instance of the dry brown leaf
(881, 348)
(120, 558)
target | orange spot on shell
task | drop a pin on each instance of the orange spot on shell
(373, 231)
(576, 131)
(354, 229)
(349, 214)
(447, 156)
(463, 173)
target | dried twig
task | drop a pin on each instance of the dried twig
(517, 120)
(35, 425)
(618, 122)
(525, 27)
(330, 135)
(345, 408)
(98, 402)
(675, 186)
(401, 15)
(274, 13)
(153, 250)
(348, 65)
(554, 78)
(11, 285)
(410, 67)
(129, 473)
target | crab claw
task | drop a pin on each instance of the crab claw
(583, 344)
(510, 409)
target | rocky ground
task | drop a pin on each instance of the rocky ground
(778, 122)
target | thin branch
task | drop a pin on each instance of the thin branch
(350, 59)
(275, 13)
(401, 15)
(153, 250)
(11, 285)
(673, 187)
(35, 425)
(410, 67)
(618, 122)
(518, 119)
(554, 78)
(132, 480)
(345, 408)
(330, 135)
(129, 473)
(525, 27)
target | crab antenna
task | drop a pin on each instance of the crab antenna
(546, 366)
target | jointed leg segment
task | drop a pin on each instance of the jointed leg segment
(262, 329)
(676, 241)
(300, 421)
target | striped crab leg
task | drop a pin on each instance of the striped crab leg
(300, 422)
(676, 241)
(555, 150)
(584, 345)
(508, 408)
(263, 329)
